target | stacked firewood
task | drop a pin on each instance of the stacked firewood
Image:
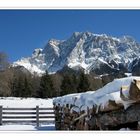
(68, 119)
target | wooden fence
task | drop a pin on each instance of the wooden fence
(27, 115)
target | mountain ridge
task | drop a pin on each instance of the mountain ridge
(83, 50)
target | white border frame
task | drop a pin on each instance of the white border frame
(69, 4)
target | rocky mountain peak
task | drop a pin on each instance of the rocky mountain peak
(85, 50)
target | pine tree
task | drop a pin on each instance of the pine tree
(46, 89)
(13, 86)
(27, 88)
(35, 83)
(83, 83)
(68, 84)
(17, 87)
(74, 83)
(21, 87)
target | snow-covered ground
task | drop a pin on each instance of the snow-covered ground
(29, 127)
(26, 103)
(100, 97)
(125, 129)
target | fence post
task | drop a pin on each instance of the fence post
(37, 116)
(0, 115)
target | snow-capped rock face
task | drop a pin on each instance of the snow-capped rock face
(83, 50)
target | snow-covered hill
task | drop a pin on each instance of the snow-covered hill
(92, 52)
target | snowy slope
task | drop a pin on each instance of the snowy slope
(99, 97)
(83, 50)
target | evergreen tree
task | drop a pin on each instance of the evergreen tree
(74, 83)
(13, 86)
(17, 87)
(46, 89)
(27, 88)
(84, 84)
(21, 87)
(35, 83)
(68, 84)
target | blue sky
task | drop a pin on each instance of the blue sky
(21, 31)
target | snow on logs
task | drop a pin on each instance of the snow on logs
(115, 104)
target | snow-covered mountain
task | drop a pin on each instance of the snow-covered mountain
(91, 52)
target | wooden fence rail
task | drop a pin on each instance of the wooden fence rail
(28, 115)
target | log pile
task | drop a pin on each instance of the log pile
(110, 118)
